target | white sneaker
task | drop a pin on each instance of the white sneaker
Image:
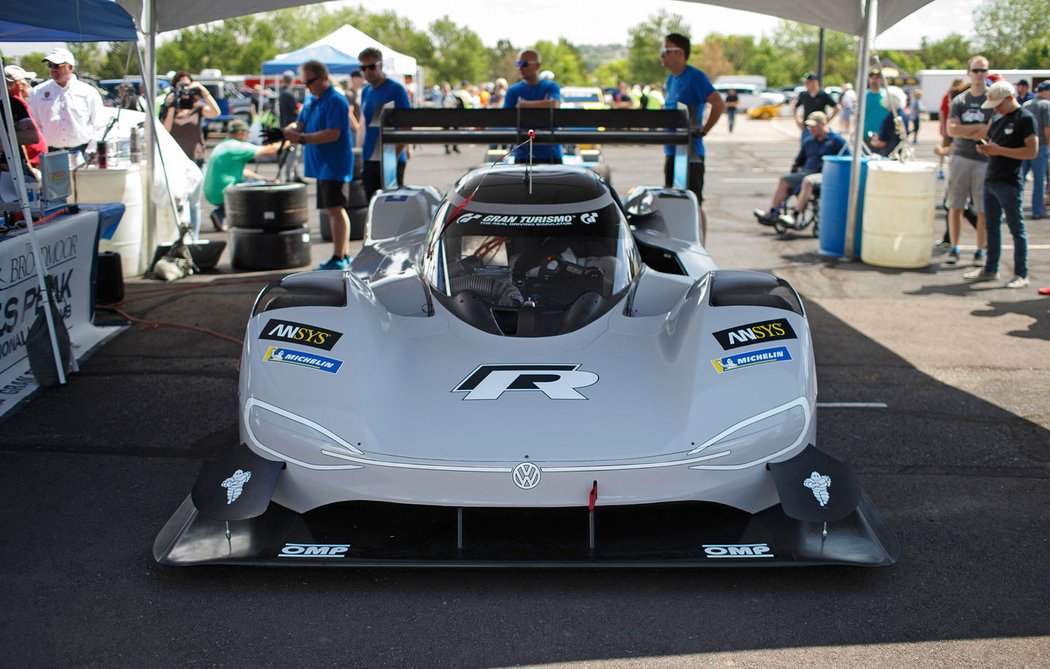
(978, 274)
(1017, 282)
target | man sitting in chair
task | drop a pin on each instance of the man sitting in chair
(805, 173)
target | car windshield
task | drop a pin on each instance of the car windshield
(507, 258)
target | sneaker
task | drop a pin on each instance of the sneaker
(336, 263)
(788, 218)
(764, 217)
(979, 274)
(1044, 291)
(1017, 282)
(944, 244)
(953, 257)
(978, 259)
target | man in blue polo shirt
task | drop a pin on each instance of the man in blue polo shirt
(380, 93)
(323, 128)
(532, 92)
(689, 86)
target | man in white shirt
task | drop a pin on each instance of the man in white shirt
(69, 112)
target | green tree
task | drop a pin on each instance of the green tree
(31, 62)
(799, 44)
(645, 41)
(458, 53)
(710, 56)
(1006, 29)
(564, 60)
(611, 73)
(501, 61)
(88, 56)
(950, 53)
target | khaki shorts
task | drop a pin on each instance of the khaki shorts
(965, 180)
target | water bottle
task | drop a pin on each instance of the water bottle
(133, 146)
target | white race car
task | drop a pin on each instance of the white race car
(528, 372)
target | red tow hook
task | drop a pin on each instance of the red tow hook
(590, 508)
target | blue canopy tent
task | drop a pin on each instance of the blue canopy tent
(66, 21)
(57, 21)
(337, 61)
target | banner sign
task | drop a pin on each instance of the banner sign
(69, 246)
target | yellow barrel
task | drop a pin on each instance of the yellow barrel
(899, 203)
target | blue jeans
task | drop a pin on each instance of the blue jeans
(1038, 168)
(1002, 199)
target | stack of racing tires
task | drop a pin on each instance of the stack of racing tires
(268, 226)
(356, 205)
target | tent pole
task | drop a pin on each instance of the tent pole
(149, 76)
(853, 210)
(13, 151)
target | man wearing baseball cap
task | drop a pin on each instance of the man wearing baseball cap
(26, 130)
(228, 165)
(68, 111)
(1039, 106)
(1011, 139)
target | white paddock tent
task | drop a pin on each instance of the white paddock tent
(349, 39)
(864, 18)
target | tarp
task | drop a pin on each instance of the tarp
(65, 21)
(843, 15)
(351, 40)
(337, 61)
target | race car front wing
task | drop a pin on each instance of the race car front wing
(850, 531)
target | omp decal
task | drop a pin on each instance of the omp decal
(300, 333)
(319, 362)
(722, 551)
(819, 484)
(314, 550)
(557, 382)
(754, 333)
(750, 359)
(235, 485)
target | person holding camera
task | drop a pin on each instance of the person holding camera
(183, 114)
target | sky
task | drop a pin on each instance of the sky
(606, 21)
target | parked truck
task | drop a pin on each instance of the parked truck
(935, 83)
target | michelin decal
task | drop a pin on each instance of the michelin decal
(750, 359)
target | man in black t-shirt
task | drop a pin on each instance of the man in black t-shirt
(288, 112)
(813, 100)
(1011, 138)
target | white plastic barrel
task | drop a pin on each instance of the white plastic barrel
(899, 204)
(122, 184)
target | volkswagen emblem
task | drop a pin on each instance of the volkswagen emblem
(527, 476)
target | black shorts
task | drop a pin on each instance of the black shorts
(694, 177)
(372, 177)
(331, 194)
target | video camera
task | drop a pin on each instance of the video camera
(185, 97)
(272, 135)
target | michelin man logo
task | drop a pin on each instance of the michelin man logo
(235, 485)
(819, 484)
(589, 217)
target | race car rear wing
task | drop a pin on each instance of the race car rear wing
(671, 127)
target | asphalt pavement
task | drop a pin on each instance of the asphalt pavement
(957, 459)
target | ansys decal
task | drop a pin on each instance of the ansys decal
(819, 484)
(288, 356)
(235, 485)
(754, 333)
(300, 333)
(741, 360)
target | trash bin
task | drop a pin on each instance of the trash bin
(834, 204)
(899, 204)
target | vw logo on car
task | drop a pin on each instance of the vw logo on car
(527, 476)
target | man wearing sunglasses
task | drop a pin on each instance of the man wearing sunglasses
(323, 128)
(381, 92)
(68, 111)
(968, 123)
(689, 86)
(532, 92)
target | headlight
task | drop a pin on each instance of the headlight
(296, 439)
(758, 439)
